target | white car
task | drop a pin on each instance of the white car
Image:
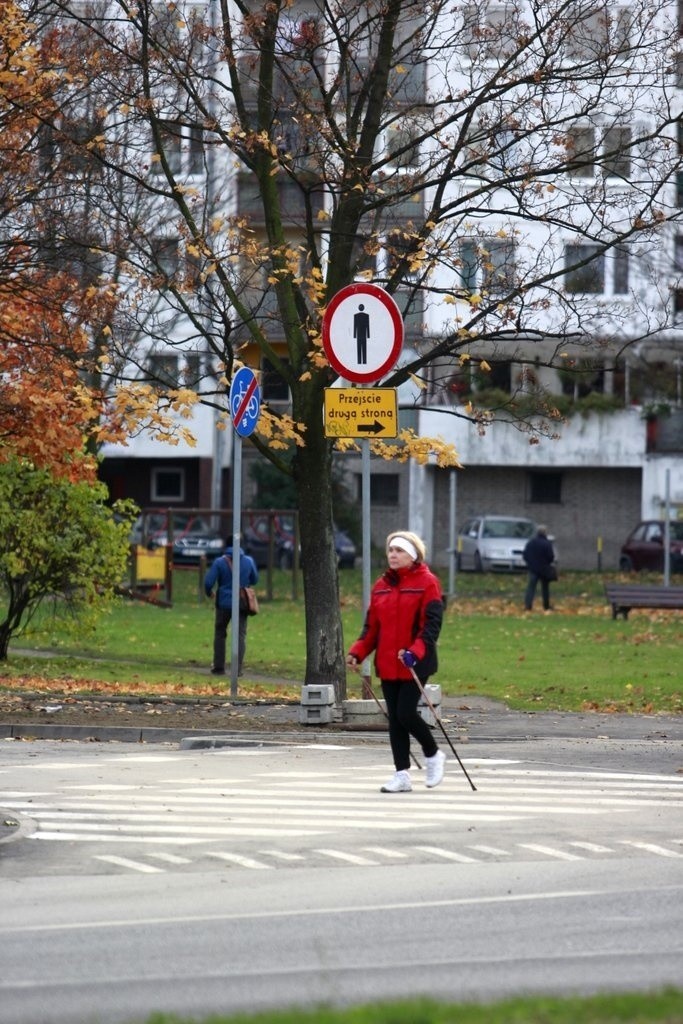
(490, 543)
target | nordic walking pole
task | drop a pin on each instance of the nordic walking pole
(367, 686)
(433, 711)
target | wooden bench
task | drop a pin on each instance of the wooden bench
(623, 597)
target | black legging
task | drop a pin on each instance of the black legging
(402, 696)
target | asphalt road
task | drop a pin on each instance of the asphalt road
(276, 874)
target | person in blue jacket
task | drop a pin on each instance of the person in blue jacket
(219, 575)
(539, 556)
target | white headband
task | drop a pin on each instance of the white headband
(405, 545)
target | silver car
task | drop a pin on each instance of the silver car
(487, 543)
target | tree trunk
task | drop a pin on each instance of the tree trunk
(11, 624)
(325, 662)
(5, 634)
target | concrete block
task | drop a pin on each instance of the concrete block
(317, 695)
(364, 708)
(317, 714)
(433, 691)
(364, 714)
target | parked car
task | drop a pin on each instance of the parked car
(345, 548)
(487, 543)
(644, 547)
(257, 543)
(192, 536)
(256, 534)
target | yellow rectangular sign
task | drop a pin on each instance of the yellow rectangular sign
(361, 412)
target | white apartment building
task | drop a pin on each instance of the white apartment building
(597, 317)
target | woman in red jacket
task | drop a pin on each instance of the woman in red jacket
(402, 626)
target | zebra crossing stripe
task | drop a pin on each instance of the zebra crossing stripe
(382, 851)
(110, 837)
(240, 860)
(436, 851)
(661, 851)
(132, 865)
(169, 858)
(282, 855)
(349, 858)
(550, 851)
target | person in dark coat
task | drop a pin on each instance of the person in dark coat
(402, 626)
(539, 556)
(219, 575)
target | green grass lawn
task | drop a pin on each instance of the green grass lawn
(651, 1008)
(573, 658)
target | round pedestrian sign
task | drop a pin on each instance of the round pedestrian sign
(245, 401)
(362, 332)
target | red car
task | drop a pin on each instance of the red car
(644, 548)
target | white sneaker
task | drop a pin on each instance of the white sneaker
(435, 766)
(399, 783)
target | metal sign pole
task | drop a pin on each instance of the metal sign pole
(452, 533)
(667, 528)
(354, 314)
(236, 532)
(365, 521)
(245, 409)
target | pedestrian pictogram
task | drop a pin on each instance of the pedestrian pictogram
(361, 412)
(245, 401)
(362, 333)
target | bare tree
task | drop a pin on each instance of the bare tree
(504, 170)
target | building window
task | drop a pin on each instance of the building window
(195, 370)
(383, 489)
(679, 175)
(594, 33)
(585, 269)
(364, 257)
(194, 266)
(168, 484)
(616, 148)
(403, 245)
(166, 255)
(678, 255)
(182, 147)
(545, 488)
(171, 135)
(589, 270)
(678, 272)
(402, 150)
(411, 302)
(498, 376)
(620, 261)
(296, 201)
(274, 388)
(580, 146)
(486, 29)
(195, 155)
(584, 377)
(163, 369)
(408, 76)
(587, 154)
(487, 264)
(74, 144)
(493, 150)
